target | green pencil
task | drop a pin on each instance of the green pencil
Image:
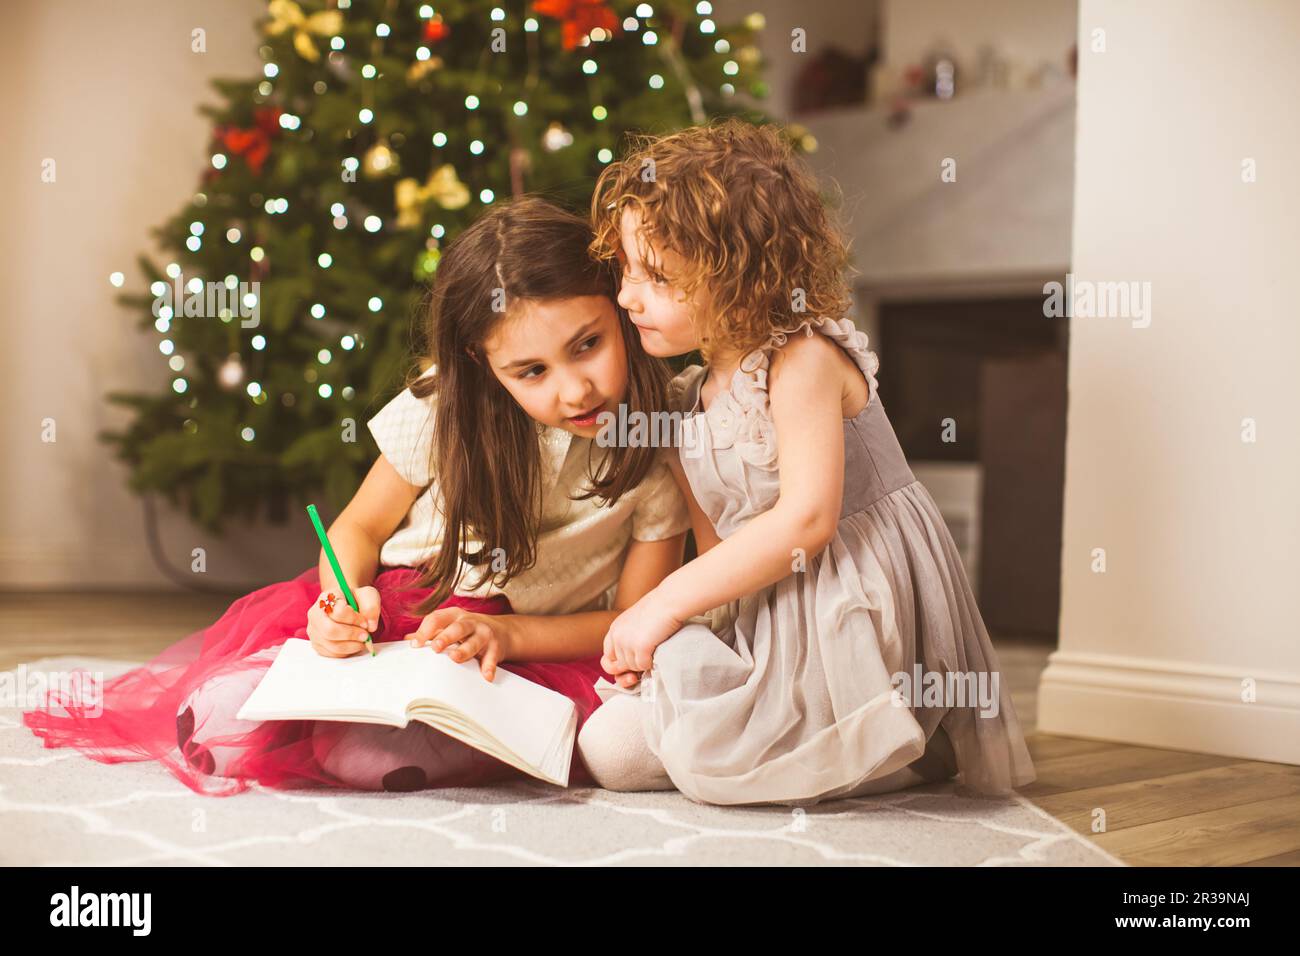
(334, 563)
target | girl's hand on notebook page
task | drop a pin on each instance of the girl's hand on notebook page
(466, 634)
(342, 631)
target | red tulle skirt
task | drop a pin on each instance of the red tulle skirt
(143, 714)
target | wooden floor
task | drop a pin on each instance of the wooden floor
(1162, 807)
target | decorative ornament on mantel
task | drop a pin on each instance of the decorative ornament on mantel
(831, 79)
(940, 77)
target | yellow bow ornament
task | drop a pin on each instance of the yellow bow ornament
(287, 15)
(442, 187)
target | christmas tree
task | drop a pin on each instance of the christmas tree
(378, 130)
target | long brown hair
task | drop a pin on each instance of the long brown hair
(486, 457)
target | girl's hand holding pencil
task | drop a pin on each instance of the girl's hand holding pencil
(359, 624)
(338, 631)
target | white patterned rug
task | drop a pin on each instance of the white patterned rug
(60, 808)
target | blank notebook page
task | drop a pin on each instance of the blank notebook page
(525, 717)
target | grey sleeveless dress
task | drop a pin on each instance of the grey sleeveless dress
(790, 695)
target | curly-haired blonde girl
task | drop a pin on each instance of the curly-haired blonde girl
(743, 216)
(826, 582)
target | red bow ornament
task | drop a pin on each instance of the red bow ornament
(580, 17)
(435, 29)
(254, 143)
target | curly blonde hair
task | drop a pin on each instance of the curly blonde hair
(745, 215)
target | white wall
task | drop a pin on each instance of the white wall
(1026, 31)
(110, 92)
(1200, 529)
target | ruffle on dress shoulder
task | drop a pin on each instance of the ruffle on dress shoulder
(842, 331)
(742, 416)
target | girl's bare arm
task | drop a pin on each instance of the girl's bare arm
(369, 520)
(805, 392)
(567, 636)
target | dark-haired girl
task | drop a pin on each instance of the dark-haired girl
(492, 526)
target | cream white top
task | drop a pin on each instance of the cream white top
(580, 546)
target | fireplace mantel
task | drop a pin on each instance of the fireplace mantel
(1006, 220)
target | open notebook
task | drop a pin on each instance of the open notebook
(521, 723)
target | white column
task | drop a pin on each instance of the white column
(1183, 448)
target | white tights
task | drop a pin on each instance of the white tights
(614, 749)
